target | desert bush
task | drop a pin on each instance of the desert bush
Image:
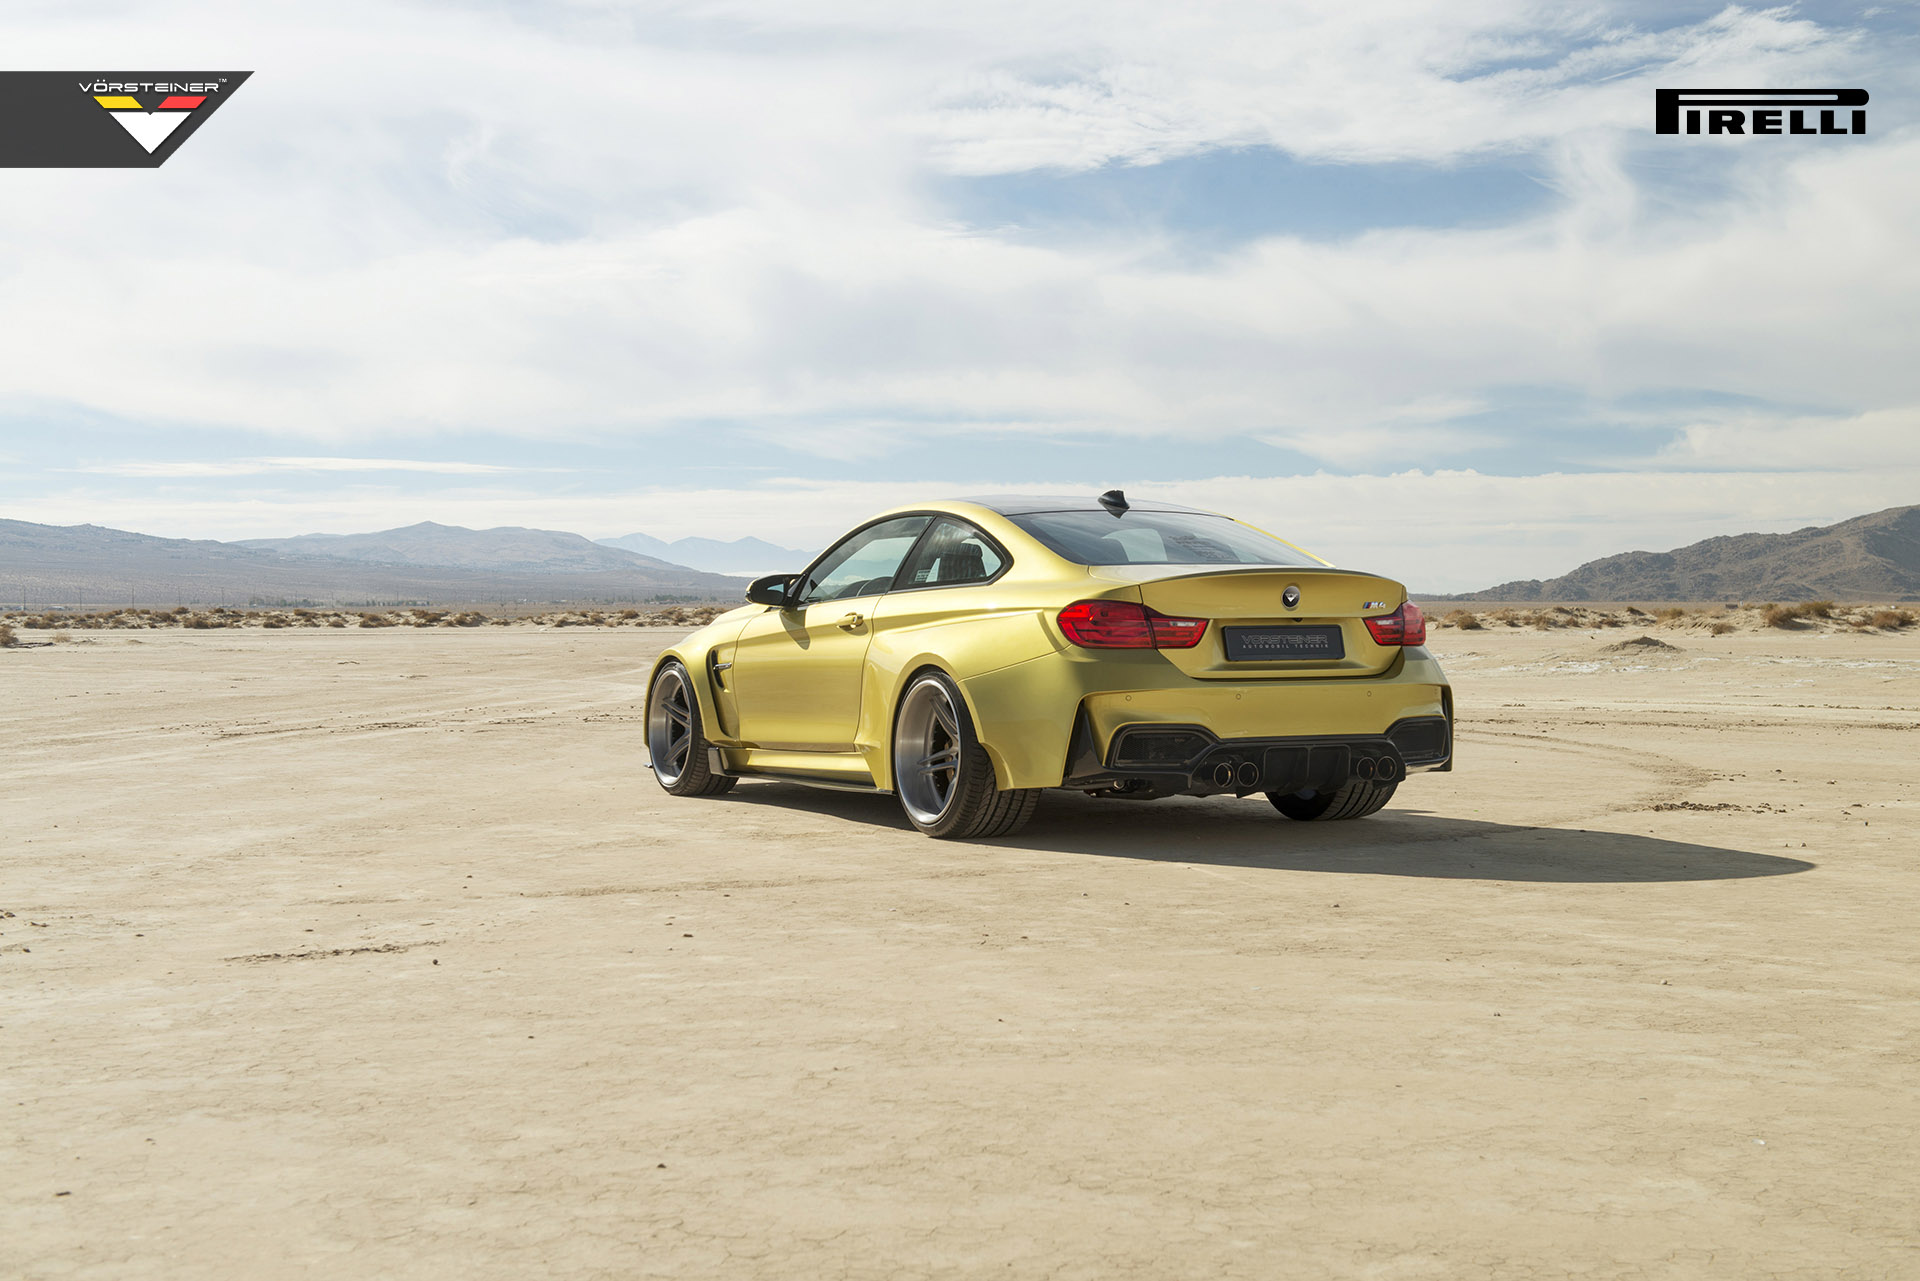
(375, 620)
(1816, 609)
(629, 613)
(61, 638)
(272, 622)
(1671, 614)
(1636, 611)
(1779, 615)
(1890, 618)
(7, 639)
(1721, 629)
(1466, 620)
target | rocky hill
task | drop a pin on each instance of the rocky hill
(509, 547)
(1868, 558)
(43, 565)
(740, 556)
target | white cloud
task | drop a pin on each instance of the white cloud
(161, 470)
(1880, 439)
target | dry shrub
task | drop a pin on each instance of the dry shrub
(272, 622)
(1671, 614)
(375, 620)
(1816, 609)
(1721, 629)
(61, 638)
(1636, 611)
(181, 609)
(336, 622)
(1890, 618)
(629, 613)
(7, 639)
(1779, 615)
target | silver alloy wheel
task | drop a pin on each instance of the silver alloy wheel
(670, 726)
(926, 751)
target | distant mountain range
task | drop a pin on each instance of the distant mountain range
(86, 564)
(741, 556)
(1868, 558)
(511, 548)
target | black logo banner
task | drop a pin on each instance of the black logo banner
(1757, 111)
(105, 119)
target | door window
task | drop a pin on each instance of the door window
(951, 555)
(865, 563)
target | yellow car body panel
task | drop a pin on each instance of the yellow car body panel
(811, 693)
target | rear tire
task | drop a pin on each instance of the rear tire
(676, 743)
(941, 773)
(1357, 799)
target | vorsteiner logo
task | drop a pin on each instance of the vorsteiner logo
(1775, 110)
(105, 120)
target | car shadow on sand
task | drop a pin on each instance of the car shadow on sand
(1228, 832)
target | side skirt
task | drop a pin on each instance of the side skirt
(835, 772)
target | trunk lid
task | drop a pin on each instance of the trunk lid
(1247, 620)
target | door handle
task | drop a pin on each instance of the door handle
(851, 623)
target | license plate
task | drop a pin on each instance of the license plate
(1282, 644)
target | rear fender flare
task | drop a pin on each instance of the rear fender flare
(880, 759)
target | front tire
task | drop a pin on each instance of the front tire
(941, 773)
(676, 744)
(1358, 798)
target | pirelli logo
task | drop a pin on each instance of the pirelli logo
(1755, 111)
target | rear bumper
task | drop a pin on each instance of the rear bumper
(1031, 716)
(1187, 760)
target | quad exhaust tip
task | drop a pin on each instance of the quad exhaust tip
(1245, 776)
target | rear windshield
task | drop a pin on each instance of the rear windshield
(1156, 538)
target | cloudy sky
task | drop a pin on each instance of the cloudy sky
(1414, 284)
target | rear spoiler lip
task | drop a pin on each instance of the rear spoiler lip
(1141, 575)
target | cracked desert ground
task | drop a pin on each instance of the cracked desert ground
(378, 954)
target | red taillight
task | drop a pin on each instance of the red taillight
(1121, 624)
(1404, 626)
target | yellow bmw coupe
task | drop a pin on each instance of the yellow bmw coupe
(965, 655)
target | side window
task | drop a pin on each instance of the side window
(951, 555)
(865, 563)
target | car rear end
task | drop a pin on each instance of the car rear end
(1251, 694)
(1206, 678)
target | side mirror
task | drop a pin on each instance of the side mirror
(771, 590)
